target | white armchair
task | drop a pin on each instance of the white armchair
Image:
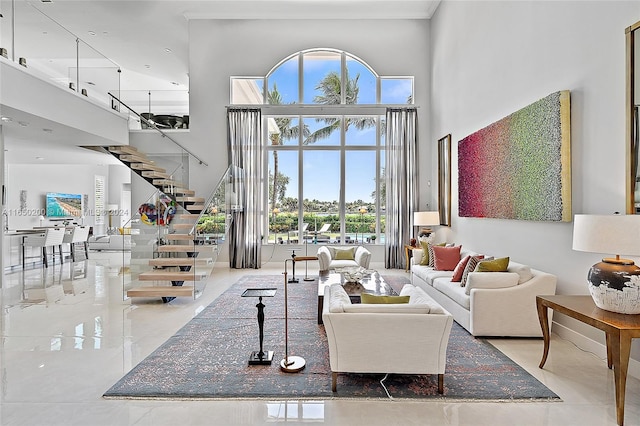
(404, 338)
(341, 257)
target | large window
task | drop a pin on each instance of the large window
(324, 133)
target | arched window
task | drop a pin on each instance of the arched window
(324, 125)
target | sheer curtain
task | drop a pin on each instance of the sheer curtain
(401, 181)
(245, 151)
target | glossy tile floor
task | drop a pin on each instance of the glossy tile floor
(62, 348)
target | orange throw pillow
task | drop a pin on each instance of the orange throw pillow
(446, 258)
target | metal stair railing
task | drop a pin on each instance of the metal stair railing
(152, 125)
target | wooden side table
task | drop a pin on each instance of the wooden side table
(408, 254)
(619, 330)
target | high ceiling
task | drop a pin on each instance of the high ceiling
(149, 41)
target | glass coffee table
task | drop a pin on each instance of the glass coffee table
(372, 283)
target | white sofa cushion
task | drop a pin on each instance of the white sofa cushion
(453, 291)
(338, 298)
(523, 271)
(428, 274)
(417, 296)
(491, 280)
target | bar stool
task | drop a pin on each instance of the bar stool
(79, 234)
(52, 237)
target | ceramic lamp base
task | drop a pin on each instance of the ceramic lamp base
(615, 286)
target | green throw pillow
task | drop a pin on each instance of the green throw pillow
(495, 265)
(374, 298)
(348, 254)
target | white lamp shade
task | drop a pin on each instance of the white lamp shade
(426, 218)
(607, 234)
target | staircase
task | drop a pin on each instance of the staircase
(181, 255)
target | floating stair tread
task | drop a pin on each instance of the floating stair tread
(195, 207)
(161, 291)
(162, 275)
(182, 225)
(174, 248)
(123, 149)
(182, 237)
(190, 199)
(180, 261)
(186, 216)
(184, 191)
(135, 158)
(145, 166)
(154, 174)
(167, 182)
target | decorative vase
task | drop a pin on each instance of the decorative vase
(615, 287)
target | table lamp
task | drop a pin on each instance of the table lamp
(425, 220)
(614, 283)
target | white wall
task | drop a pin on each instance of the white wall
(491, 59)
(37, 180)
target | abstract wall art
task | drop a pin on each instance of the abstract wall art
(520, 166)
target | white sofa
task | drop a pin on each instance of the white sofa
(326, 257)
(406, 338)
(497, 303)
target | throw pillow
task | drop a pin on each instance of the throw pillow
(431, 256)
(446, 258)
(348, 254)
(495, 265)
(424, 261)
(470, 267)
(376, 298)
(459, 269)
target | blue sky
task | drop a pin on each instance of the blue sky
(322, 168)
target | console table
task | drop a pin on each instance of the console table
(619, 330)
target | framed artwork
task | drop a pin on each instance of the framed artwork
(444, 180)
(520, 166)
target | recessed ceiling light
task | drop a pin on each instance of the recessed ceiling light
(91, 83)
(39, 158)
(166, 49)
(92, 33)
(23, 123)
(47, 130)
(147, 66)
(6, 119)
(174, 83)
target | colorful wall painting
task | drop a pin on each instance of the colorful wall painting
(520, 166)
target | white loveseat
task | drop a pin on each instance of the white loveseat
(491, 303)
(405, 338)
(327, 257)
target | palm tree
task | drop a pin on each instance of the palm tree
(287, 131)
(330, 86)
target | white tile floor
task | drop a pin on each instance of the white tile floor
(58, 357)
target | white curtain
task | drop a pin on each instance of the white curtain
(245, 151)
(401, 181)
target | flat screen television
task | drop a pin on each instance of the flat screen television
(60, 205)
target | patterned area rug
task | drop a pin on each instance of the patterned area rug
(208, 358)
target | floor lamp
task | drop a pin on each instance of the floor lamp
(306, 265)
(291, 364)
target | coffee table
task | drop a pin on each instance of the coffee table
(372, 283)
